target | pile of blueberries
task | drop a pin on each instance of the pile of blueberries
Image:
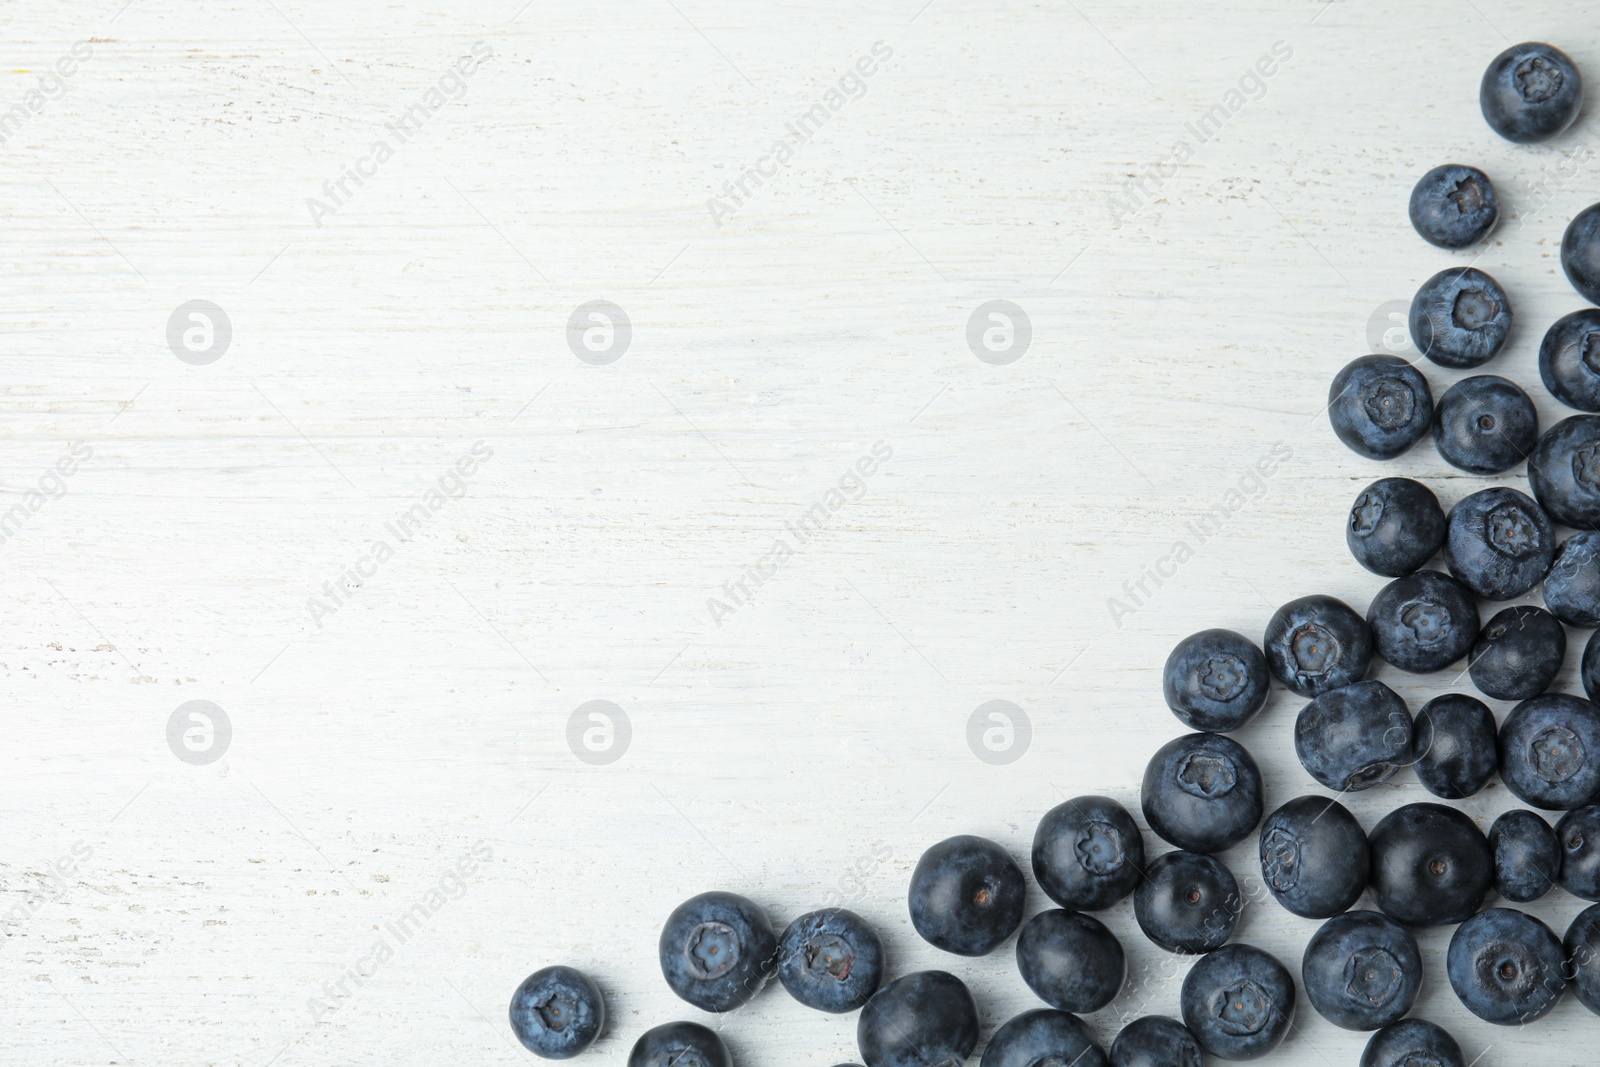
(1423, 864)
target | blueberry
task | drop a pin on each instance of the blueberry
(1500, 543)
(1569, 359)
(1572, 585)
(1531, 92)
(1215, 680)
(1460, 318)
(1317, 643)
(1396, 525)
(1087, 853)
(1485, 425)
(966, 895)
(1564, 471)
(1578, 835)
(1071, 961)
(830, 960)
(1362, 970)
(1188, 902)
(927, 1017)
(679, 1045)
(1042, 1037)
(1413, 1043)
(1202, 792)
(1580, 253)
(1238, 1002)
(1519, 653)
(1527, 856)
(1314, 857)
(1453, 206)
(1354, 738)
(1423, 622)
(1379, 406)
(1550, 751)
(1582, 946)
(1155, 1041)
(717, 950)
(1589, 666)
(557, 1012)
(1431, 865)
(1506, 967)
(1453, 746)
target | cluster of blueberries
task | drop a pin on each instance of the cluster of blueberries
(1423, 864)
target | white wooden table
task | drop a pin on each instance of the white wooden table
(388, 310)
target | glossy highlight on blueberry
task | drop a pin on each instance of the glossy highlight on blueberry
(831, 960)
(1396, 525)
(1460, 318)
(1238, 1002)
(1423, 622)
(1202, 792)
(1215, 680)
(1317, 643)
(1454, 206)
(1088, 853)
(1379, 406)
(1362, 970)
(927, 1017)
(557, 1012)
(1354, 738)
(1314, 857)
(966, 895)
(717, 950)
(1042, 1038)
(1506, 967)
(680, 1045)
(1530, 92)
(1500, 543)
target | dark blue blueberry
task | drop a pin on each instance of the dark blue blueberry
(1589, 666)
(1531, 92)
(966, 895)
(1460, 318)
(557, 1012)
(1216, 680)
(1453, 206)
(1202, 792)
(1572, 585)
(1431, 865)
(1550, 751)
(1155, 1041)
(1354, 738)
(1042, 1037)
(1362, 970)
(1188, 902)
(1423, 622)
(1453, 746)
(1500, 543)
(1413, 1043)
(1564, 472)
(1580, 253)
(1578, 834)
(717, 950)
(830, 960)
(1506, 967)
(1569, 359)
(927, 1017)
(1396, 525)
(1071, 961)
(1527, 857)
(1314, 857)
(1582, 946)
(1485, 425)
(1519, 653)
(1379, 406)
(1087, 853)
(1238, 1002)
(679, 1045)
(1317, 643)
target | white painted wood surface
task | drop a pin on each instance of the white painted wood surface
(808, 747)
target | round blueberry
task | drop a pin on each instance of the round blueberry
(1550, 751)
(679, 1045)
(1485, 425)
(1564, 471)
(1578, 835)
(1314, 857)
(1238, 1002)
(1155, 1041)
(1202, 792)
(1317, 643)
(1506, 967)
(1423, 622)
(1188, 902)
(1589, 666)
(1454, 206)
(1519, 653)
(1215, 680)
(557, 1012)
(1453, 746)
(1527, 856)
(1362, 970)
(1042, 1037)
(1582, 948)
(1531, 92)
(1087, 853)
(830, 960)
(1396, 525)
(1580, 253)
(1572, 585)
(924, 1018)
(1431, 865)
(966, 895)
(1500, 543)
(1379, 406)
(717, 950)
(1460, 318)
(1071, 961)
(1354, 738)
(1413, 1043)
(1569, 359)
